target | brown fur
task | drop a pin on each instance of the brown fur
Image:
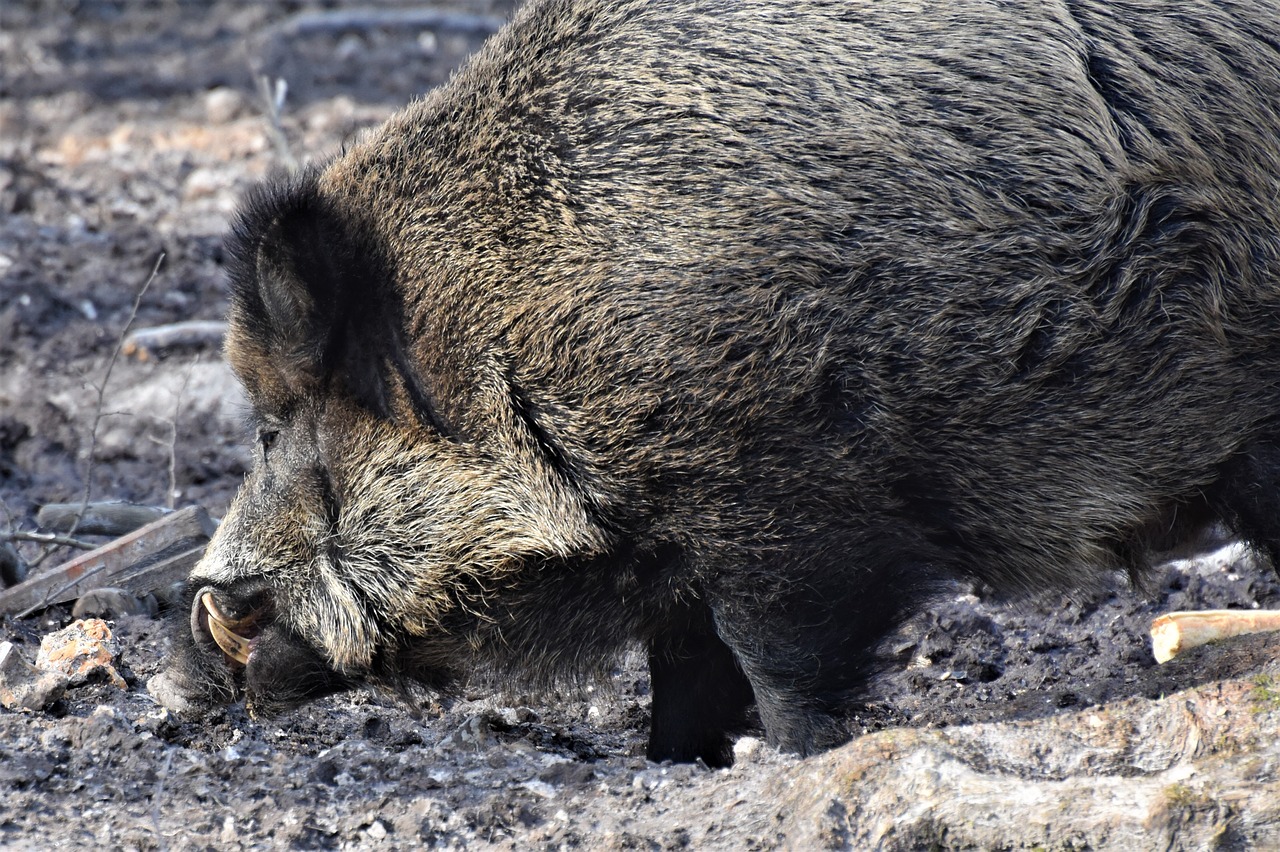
(729, 326)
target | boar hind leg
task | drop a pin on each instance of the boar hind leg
(1249, 496)
(700, 695)
(808, 647)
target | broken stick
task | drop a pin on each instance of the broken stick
(1175, 632)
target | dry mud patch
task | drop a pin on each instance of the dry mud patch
(128, 130)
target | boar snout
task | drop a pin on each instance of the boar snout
(238, 648)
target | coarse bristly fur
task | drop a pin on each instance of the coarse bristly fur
(728, 327)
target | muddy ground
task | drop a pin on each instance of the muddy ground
(127, 131)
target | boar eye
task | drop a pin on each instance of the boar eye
(267, 437)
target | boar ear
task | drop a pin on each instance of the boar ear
(312, 298)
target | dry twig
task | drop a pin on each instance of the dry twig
(147, 559)
(99, 412)
(273, 94)
(147, 342)
(111, 518)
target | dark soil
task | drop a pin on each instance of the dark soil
(127, 132)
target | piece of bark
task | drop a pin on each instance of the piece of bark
(1175, 632)
(147, 559)
(110, 518)
(148, 342)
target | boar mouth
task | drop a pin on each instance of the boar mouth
(234, 636)
(267, 663)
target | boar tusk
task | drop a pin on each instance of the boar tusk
(222, 629)
(1181, 631)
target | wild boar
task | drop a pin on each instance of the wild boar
(728, 328)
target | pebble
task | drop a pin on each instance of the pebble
(222, 105)
(204, 183)
(746, 749)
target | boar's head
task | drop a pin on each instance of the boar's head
(378, 515)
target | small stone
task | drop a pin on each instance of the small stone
(474, 733)
(349, 47)
(203, 183)
(746, 749)
(222, 105)
(377, 831)
(172, 696)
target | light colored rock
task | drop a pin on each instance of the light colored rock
(81, 650)
(223, 104)
(746, 749)
(1183, 772)
(172, 697)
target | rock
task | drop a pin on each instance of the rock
(473, 734)
(23, 686)
(203, 183)
(172, 697)
(1194, 770)
(111, 604)
(222, 105)
(81, 650)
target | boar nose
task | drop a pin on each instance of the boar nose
(234, 636)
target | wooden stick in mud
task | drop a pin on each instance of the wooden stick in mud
(1180, 631)
(149, 558)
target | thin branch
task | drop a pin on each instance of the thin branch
(173, 433)
(52, 539)
(98, 412)
(273, 96)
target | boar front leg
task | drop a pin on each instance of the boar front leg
(700, 695)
